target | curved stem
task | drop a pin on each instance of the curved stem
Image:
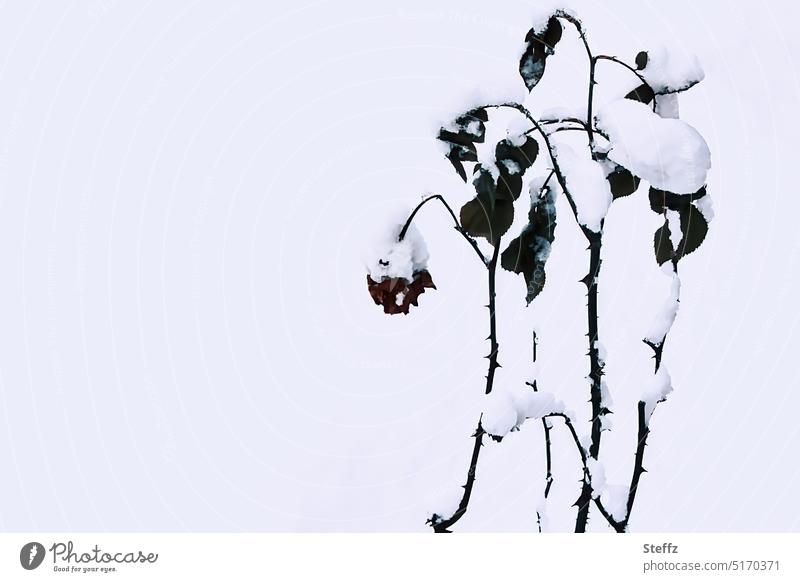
(578, 26)
(443, 526)
(553, 158)
(473, 243)
(573, 128)
(592, 61)
(580, 122)
(632, 70)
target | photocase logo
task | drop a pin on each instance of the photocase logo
(31, 555)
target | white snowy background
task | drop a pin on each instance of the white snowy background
(187, 192)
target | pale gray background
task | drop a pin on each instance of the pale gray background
(186, 340)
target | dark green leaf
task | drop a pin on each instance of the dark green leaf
(622, 182)
(457, 154)
(642, 93)
(537, 48)
(693, 224)
(523, 155)
(478, 219)
(485, 186)
(663, 244)
(527, 254)
(694, 229)
(512, 162)
(641, 60)
(509, 186)
(661, 200)
(467, 130)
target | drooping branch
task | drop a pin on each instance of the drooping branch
(592, 61)
(551, 153)
(473, 243)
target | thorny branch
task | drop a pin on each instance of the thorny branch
(547, 443)
(444, 525)
(591, 280)
(642, 433)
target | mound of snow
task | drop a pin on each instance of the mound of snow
(668, 153)
(392, 258)
(670, 71)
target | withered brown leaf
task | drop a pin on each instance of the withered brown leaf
(396, 295)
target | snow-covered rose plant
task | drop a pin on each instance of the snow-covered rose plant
(634, 138)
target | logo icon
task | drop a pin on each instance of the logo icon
(31, 555)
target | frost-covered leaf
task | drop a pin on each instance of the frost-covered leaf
(528, 253)
(513, 157)
(460, 138)
(478, 218)
(538, 45)
(668, 153)
(522, 151)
